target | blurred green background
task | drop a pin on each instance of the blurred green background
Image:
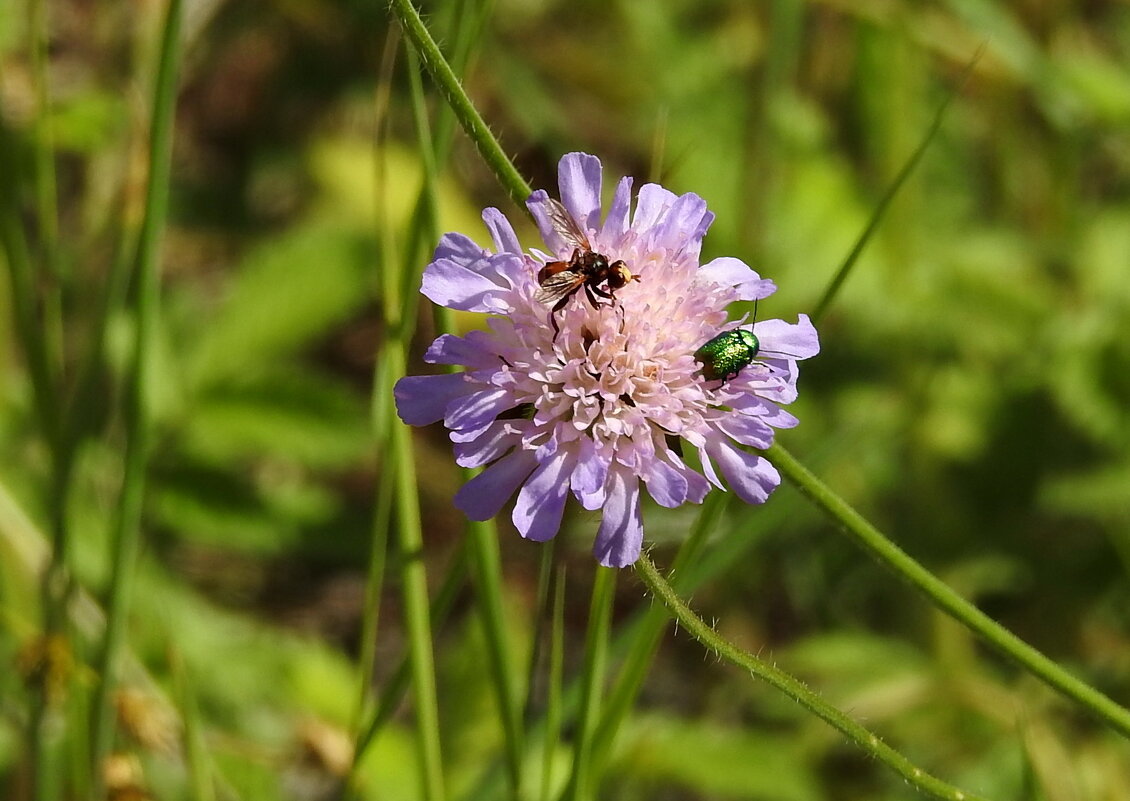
(972, 397)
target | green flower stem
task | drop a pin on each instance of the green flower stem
(128, 522)
(796, 690)
(416, 615)
(649, 633)
(448, 83)
(942, 596)
(592, 677)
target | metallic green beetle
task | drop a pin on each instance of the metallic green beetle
(726, 354)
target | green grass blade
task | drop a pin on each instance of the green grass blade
(196, 755)
(554, 685)
(647, 637)
(380, 405)
(46, 196)
(904, 173)
(22, 281)
(453, 584)
(128, 521)
(483, 536)
(581, 780)
(417, 621)
(488, 583)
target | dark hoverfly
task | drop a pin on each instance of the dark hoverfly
(558, 280)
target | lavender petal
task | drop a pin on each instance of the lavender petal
(666, 485)
(750, 476)
(501, 232)
(423, 399)
(728, 271)
(794, 341)
(578, 178)
(541, 501)
(464, 287)
(620, 537)
(483, 496)
(616, 224)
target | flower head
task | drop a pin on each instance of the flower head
(599, 397)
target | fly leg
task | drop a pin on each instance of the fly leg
(589, 293)
(553, 316)
(604, 293)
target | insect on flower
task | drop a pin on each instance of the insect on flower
(600, 404)
(559, 280)
(725, 355)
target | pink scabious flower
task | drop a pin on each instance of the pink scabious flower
(609, 400)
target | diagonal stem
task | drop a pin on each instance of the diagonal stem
(942, 596)
(795, 689)
(445, 78)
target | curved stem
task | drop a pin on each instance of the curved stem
(464, 109)
(795, 689)
(941, 595)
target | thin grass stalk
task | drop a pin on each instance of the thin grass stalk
(841, 275)
(400, 308)
(414, 587)
(413, 573)
(580, 787)
(397, 685)
(380, 401)
(793, 688)
(24, 298)
(554, 684)
(55, 589)
(46, 195)
(488, 583)
(127, 531)
(541, 616)
(45, 396)
(943, 597)
(483, 536)
(196, 755)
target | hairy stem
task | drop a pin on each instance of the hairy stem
(794, 689)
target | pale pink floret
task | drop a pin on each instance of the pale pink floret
(611, 392)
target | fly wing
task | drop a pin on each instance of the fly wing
(558, 286)
(565, 226)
